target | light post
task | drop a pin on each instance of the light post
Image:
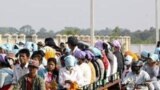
(157, 3)
(92, 21)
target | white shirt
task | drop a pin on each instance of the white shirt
(125, 72)
(137, 79)
(19, 72)
(75, 75)
(86, 71)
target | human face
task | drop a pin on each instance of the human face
(51, 66)
(23, 58)
(32, 70)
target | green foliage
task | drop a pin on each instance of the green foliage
(138, 37)
(70, 31)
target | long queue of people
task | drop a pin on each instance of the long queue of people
(76, 66)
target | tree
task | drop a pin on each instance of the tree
(116, 31)
(70, 31)
(27, 30)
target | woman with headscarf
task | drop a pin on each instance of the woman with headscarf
(117, 52)
(127, 68)
(70, 73)
(6, 73)
(86, 70)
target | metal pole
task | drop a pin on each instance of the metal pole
(157, 19)
(92, 22)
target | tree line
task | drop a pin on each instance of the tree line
(146, 36)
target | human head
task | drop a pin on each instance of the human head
(72, 42)
(24, 55)
(153, 58)
(136, 66)
(69, 61)
(117, 45)
(99, 45)
(51, 64)
(38, 55)
(80, 55)
(33, 67)
(128, 60)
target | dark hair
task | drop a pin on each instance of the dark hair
(55, 71)
(50, 42)
(5, 63)
(83, 46)
(39, 52)
(158, 44)
(72, 40)
(52, 60)
(62, 60)
(25, 51)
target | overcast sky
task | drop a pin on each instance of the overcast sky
(56, 14)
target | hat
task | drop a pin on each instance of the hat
(137, 63)
(96, 51)
(89, 55)
(128, 60)
(72, 40)
(49, 52)
(145, 54)
(154, 57)
(116, 43)
(99, 45)
(69, 61)
(34, 63)
(80, 54)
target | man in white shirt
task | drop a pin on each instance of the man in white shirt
(22, 68)
(137, 78)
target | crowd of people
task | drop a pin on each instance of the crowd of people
(75, 65)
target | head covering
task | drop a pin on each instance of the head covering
(67, 51)
(3, 58)
(69, 61)
(99, 45)
(96, 52)
(116, 43)
(8, 47)
(128, 60)
(137, 63)
(154, 57)
(133, 55)
(145, 54)
(49, 52)
(80, 54)
(157, 50)
(72, 40)
(89, 55)
(34, 63)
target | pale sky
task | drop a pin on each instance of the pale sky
(57, 14)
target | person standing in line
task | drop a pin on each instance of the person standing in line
(22, 68)
(31, 81)
(120, 58)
